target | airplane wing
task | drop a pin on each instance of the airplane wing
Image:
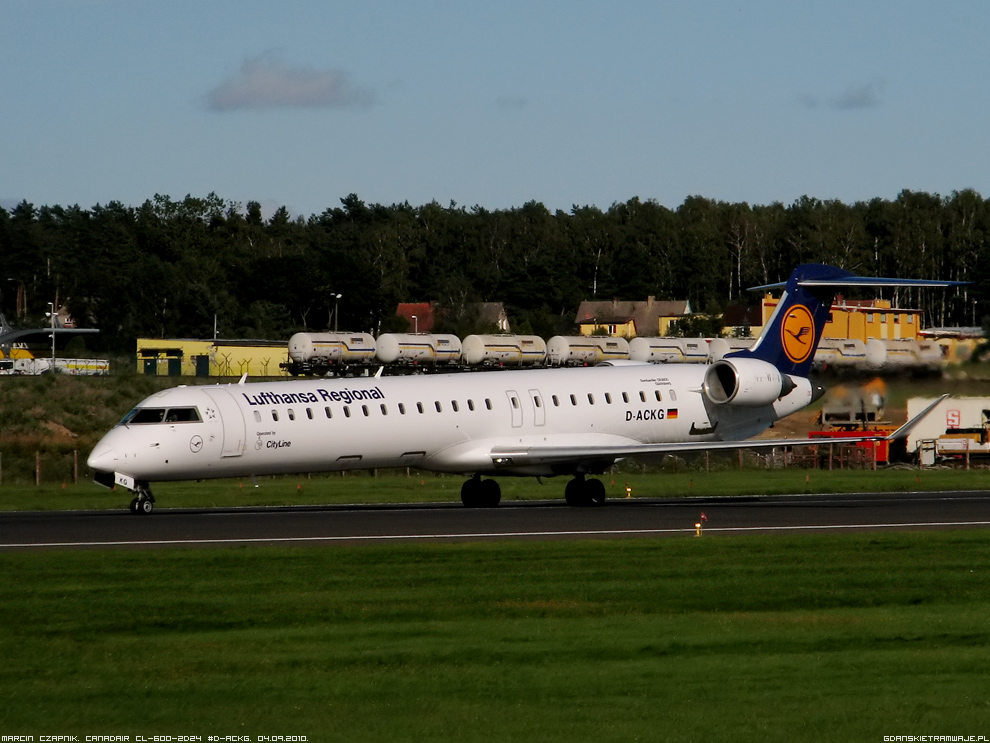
(532, 456)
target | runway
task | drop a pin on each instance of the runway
(643, 518)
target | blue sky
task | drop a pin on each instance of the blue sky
(300, 103)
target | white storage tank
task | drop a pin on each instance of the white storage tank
(876, 353)
(669, 350)
(327, 349)
(845, 353)
(718, 348)
(929, 354)
(585, 349)
(510, 350)
(418, 348)
(902, 353)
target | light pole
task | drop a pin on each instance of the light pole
(336, 307)
(415, 324)
(52, 315)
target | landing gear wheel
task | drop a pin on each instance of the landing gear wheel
(471, 493)
(478, 493)
(596, 492)
(144, 503)
(574, 492)
(491, 494)
(583, 493)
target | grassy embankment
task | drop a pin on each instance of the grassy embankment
(812, 638)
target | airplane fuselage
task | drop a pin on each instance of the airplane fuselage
(443, 422)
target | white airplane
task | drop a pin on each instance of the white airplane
(544, 422)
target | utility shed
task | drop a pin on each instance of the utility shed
(952, 417)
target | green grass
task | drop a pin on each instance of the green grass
(392, 487)
(827, 638)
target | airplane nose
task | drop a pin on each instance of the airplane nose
(103, 458)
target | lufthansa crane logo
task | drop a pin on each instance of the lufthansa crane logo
(797, 333)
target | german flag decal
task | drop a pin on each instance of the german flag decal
(671, 414)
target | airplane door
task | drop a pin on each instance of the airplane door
(515, 406)
(234, 430)
(539, 412)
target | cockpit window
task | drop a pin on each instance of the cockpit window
(161, 415)
(182, 415)
(147, 415)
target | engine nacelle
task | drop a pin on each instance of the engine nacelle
(745, 382)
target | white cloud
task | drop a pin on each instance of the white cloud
(267, 82)
(863, 96)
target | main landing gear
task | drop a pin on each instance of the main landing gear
(144, 501)
(581, 492)
(478, 493)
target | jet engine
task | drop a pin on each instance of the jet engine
(745, 382)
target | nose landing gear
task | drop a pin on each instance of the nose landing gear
(144, 501)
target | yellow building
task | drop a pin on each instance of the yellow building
(862, 319)
(211, 358)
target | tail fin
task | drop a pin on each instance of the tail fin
(790, 337)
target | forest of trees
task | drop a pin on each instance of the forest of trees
(168, 268)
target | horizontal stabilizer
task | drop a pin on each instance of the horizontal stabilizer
(864, 281)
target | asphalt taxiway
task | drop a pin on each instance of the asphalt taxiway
(644, 518)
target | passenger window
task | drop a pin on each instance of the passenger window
(439, 408)
(453, 404)
(402, 409)
(625, 397)
(659, 399)
(384, 409)
(292, 414)
(257, 417)
(327, 411)
(537, 402)
(364, 409)
(470, 404)
(573, 400)
(642, 397)
(515, 402)
(275, 415)
(591, 398)
(608, 398)
(419, 407)
(347, 412)
(673, 396)
(309, 413)
(488, 403)
(556, 402)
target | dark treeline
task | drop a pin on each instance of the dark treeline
(168, 268)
